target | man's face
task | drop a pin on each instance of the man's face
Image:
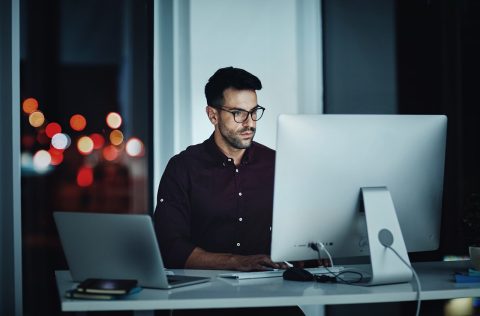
(237, 135)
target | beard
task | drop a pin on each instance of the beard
(234, 138)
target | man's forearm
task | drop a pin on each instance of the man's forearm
(201, 259)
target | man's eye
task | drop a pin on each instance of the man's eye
(237, 113)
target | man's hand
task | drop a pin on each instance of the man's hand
(255, 263)
(201, 259)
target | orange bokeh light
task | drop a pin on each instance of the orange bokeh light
(85, 177)
(98, 140)
(114, 120)
(78, 122)
(116, 137)
(30, 105)
(36, 119)
(110, 153)
(52, 129)
(85, 145)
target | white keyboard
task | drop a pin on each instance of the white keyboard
(276, 273)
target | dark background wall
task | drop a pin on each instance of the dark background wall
(413, 57)
(359, 56)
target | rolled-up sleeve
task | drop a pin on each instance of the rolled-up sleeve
(172, 217)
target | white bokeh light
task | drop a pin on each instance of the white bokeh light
(41, 160)
(134, 147)
(61, 141)
(26, 160)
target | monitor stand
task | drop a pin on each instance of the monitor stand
(381, 217)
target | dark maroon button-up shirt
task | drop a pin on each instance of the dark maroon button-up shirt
(205, 200)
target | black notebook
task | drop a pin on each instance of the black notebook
(107, 286)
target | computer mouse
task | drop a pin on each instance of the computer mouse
(297, 274)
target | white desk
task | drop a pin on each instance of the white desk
(436, 278)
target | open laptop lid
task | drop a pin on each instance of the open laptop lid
(113, 246)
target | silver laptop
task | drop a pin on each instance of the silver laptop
(115, 246)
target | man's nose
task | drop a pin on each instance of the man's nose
(248, 122)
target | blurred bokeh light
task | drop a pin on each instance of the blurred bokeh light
(61, 141)
(78, 122)
(85, 145)
(41, 160)
(52, 129)
(30, 105)
(36, 119)
(116, 137)
(114, 120)
(85, 176)
(134, 147)
(110, 153)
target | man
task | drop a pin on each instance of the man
(215, 199)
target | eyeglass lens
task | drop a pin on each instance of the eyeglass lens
(241, 115)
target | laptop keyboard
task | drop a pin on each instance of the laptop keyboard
(172, 279)
(277, 273)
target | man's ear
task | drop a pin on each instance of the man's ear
(212, 114)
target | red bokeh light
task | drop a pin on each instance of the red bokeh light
(57, 156)
(85, 176)
(28, 141)
(42, 137)
(110, 153)
(52, 129)
(98, 140)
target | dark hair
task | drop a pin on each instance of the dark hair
(229, 77)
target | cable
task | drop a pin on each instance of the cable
(322, 247)
(335, 276)
(419, 289)
(386, 239)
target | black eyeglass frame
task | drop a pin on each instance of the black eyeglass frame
(249, 113)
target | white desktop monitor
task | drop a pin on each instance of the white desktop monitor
(323, 161)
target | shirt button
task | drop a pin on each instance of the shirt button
(229, 159)
(236, 170)
(240, 219)
(238, 244)
(161, 200)
(239, 193)
(224, 164)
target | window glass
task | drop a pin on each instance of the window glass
(86, 103)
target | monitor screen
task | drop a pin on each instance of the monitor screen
(323, 162)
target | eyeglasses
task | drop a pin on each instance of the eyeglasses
(241, 116)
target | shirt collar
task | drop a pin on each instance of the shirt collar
(221, 158)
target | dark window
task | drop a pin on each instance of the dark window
(86, 104)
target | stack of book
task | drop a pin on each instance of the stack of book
(104, 289)
(471, 276)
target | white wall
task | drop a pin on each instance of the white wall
(258, 36)
(277, 40)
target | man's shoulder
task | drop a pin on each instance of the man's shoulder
(263, 149)
(189, 153)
